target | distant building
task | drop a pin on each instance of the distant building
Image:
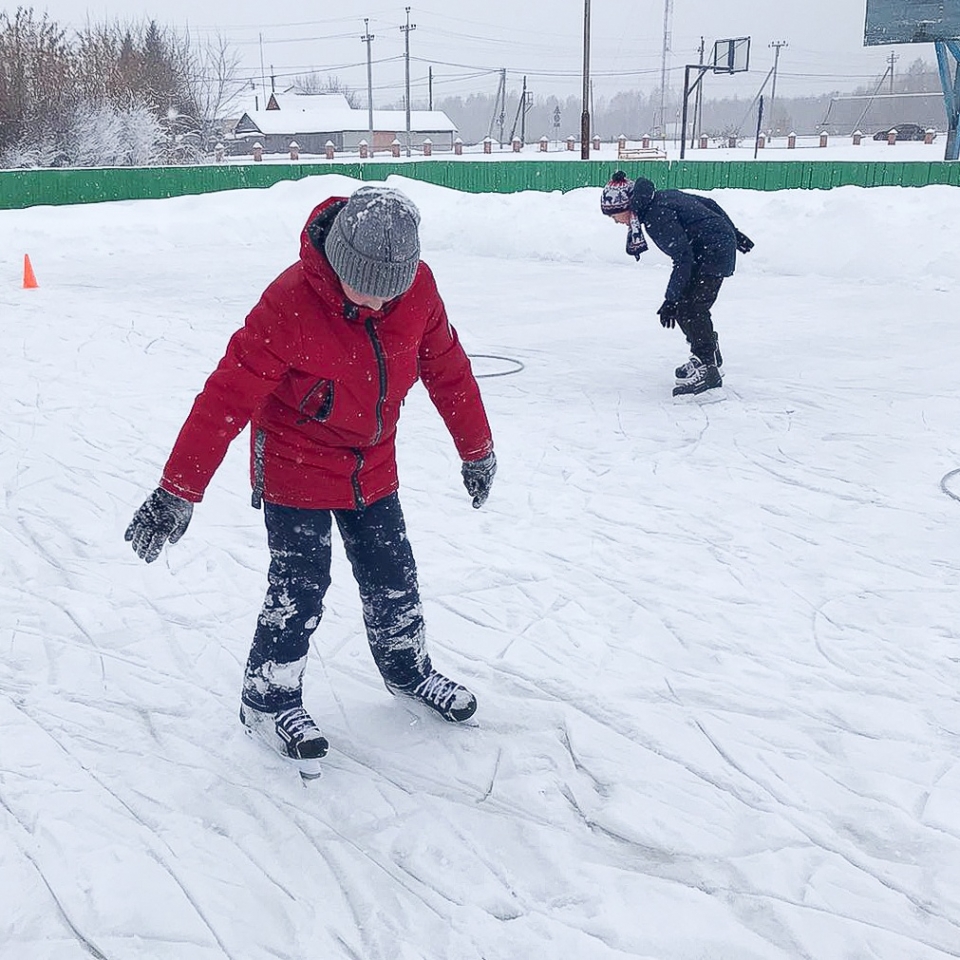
(314, 119)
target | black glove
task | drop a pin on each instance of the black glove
(744, 243)
(668, 314)
(478, 477)
(163, 516)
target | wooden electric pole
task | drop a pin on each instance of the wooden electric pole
(367, 38)
(406, 57)
(585, 115)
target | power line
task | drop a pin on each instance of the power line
(519, 71)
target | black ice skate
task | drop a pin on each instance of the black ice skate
(705, 377)
(291, 732)
(451, 700)
(686, 370)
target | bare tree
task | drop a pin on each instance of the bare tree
(213, 85)
(36, 77)
(318, 83)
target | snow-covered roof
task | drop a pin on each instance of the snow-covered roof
(319, 121)
(321, 113)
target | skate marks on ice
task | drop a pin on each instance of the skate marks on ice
(711, 642)
(657, 565)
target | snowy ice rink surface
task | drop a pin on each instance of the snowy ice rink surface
(716, 644)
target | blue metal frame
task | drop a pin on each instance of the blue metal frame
(951, 93)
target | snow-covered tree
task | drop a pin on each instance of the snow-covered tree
(115, 94)
(105, 135)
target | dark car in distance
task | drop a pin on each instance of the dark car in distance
(905, 131)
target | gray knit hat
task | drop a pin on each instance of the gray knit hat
(373, 244)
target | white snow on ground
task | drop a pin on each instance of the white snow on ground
(716, 643)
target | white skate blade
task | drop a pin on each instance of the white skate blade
(713, 395)
(418, 711)
(308, 769)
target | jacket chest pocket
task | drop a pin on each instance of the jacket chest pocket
(403, 367)
(317, 402)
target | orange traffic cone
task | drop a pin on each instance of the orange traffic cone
(29, 277)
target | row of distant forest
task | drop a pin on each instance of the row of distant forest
(136, 94)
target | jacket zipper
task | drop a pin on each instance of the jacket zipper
(256, 497)
(382, 368)
(381, 398)
(355, 479)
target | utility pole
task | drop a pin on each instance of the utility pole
(500, 106)
(406, 57)
(892, 59)
(585, 115)
(368, 38)
(526, 98)
(263, 77)
(667, 16)
(430, 88)
(527, 102)
(502, 116)
(777, 44)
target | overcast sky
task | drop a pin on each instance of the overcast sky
(466, 44)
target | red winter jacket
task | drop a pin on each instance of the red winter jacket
(321, 381)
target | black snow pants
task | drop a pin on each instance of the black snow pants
(693, 314)
(375, 541)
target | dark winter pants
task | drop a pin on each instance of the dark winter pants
(693, 315)
(376, 545)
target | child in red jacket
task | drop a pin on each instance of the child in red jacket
(319, 371)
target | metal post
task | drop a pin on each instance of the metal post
(698, 103)
(585, 115)
(367, 38)
(406, 56)
(683, 121)
(951, 94)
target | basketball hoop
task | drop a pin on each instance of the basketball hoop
(729, 56)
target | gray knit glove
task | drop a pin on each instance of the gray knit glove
(478, 477)
(163, 516)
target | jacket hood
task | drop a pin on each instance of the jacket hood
(315, 233)
(643, 192)
(316, 267)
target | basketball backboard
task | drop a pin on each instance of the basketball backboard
(732, 56)
(911, 21)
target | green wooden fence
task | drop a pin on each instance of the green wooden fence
(26, 188)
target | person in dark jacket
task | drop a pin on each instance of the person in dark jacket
(702, 241)
(319, 371)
